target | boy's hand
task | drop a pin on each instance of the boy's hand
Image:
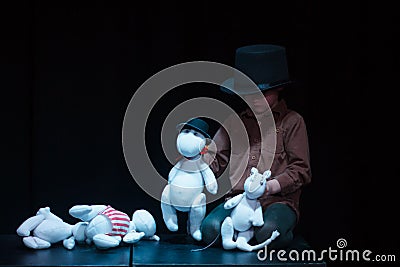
(273, 187)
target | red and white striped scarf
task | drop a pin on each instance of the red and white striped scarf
(120, 221)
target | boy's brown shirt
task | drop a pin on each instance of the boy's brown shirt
(289, 163)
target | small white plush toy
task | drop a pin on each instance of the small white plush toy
(246, 213)
(45, 228)
(107, 227)
(143, 225)
(187, 178)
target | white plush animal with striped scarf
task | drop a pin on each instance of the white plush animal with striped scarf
(107, 227)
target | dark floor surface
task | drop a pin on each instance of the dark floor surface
(172, 250)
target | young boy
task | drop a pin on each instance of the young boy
(288, 161)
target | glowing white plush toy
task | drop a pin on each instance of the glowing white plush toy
(187, 178)
(246, 213)
(45, 228)
(107, 227)
(143, 223)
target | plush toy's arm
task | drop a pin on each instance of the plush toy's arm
(233, 202)
(173, 171)
(29, 224)
(209, 180)
(258, 219)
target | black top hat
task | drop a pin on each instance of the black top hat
(264, 64)
(196, 124)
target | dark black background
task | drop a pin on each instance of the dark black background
(70, 70)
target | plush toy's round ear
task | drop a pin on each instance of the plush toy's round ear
(267, 174)
(253, 170)
(210, 146)
(209, 141)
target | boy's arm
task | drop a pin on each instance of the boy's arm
(298, 171)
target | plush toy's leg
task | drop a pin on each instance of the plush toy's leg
(196, 216)
(103, 241)
(79, 231)
(227, 232)
(274, 235)
(133, 237)
(69, 243)
(243, 239)
(35, 242)
(29, 224)
(168, 211)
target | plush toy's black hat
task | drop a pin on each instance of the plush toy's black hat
(264, 64)
(196, 124)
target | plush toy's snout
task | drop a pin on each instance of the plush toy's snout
(255, 185)
(86, 212)
(190, 143)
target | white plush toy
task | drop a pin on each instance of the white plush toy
(144, 224)
(107, 227)
(246, 213)
(45, 229)
(187, 178)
